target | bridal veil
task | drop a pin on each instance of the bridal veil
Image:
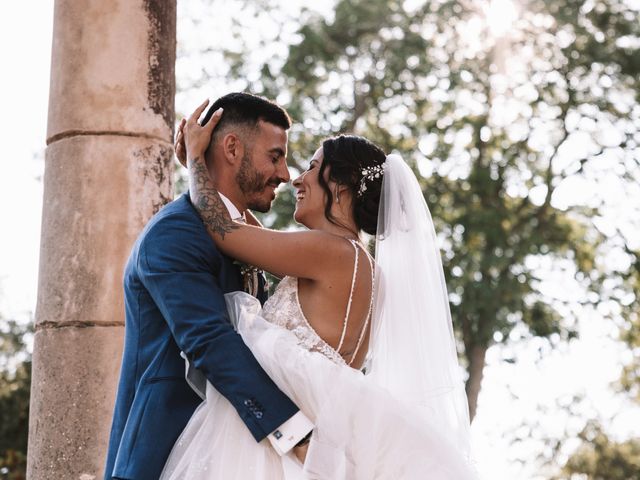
(413, 353)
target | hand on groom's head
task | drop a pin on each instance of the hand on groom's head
(192, 138)
(179, 146)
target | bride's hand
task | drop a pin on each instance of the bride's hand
(179, 146)
(301, 452)
(196, 137)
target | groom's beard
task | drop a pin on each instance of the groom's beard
(255, 186)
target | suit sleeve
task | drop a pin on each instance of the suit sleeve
(177, 265)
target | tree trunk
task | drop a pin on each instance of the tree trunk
(476, 356)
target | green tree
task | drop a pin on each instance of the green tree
(15, 384)
(507, 121)
(601, 458)
(499, 120)
(630, 333)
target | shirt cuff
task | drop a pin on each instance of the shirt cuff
(285, 437)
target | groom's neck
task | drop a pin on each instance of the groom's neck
(231, 191)
(224, 181)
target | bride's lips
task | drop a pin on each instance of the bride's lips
(299, 195)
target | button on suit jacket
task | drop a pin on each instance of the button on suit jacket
(174, 284)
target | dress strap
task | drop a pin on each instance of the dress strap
(353, 282)
(366, 322)
(345, 323)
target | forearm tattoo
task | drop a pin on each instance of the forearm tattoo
(208, 203)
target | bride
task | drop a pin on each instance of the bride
(363, 346)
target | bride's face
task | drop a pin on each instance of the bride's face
(310, 196)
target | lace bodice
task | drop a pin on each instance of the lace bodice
(283, 309)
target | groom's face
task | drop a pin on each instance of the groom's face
(263, 166)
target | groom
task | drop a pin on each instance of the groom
(174, 284)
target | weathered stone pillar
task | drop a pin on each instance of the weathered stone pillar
(107, 170)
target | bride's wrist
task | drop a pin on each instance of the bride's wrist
(193, 156)
(305, 440)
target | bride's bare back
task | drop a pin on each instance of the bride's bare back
(338, 307)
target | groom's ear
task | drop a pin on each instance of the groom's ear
(233, 148)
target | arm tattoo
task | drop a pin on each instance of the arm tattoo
(207, 202)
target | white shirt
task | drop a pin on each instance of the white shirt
(233, 210)
(285, 437)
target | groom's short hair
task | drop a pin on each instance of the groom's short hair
(246, 110)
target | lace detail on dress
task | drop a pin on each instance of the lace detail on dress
(283, 309)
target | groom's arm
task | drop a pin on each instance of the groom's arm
(176, 262)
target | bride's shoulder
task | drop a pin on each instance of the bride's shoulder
(310, 254)
(334, 247)
(332, 259)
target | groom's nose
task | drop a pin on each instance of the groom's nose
(283, 171)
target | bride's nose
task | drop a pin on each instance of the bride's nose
(297, 181)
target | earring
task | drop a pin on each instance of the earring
(337, 198)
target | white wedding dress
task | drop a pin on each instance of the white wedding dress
(407, 419)
(362, 431)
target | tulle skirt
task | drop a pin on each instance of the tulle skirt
(361, 431)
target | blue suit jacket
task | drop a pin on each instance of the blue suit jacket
(174, 284)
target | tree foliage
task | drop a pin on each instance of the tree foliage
(507, 121)
(630, 378)
(15, 384)
(601, 458)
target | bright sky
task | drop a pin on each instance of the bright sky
(511, 392)
(25, 44)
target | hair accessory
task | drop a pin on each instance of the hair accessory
(369, 173)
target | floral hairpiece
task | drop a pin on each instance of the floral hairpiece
(369, 173)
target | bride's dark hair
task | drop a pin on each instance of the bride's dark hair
(346, 156)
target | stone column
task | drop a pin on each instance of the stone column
(108, 169)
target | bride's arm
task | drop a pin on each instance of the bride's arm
(307, 254)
